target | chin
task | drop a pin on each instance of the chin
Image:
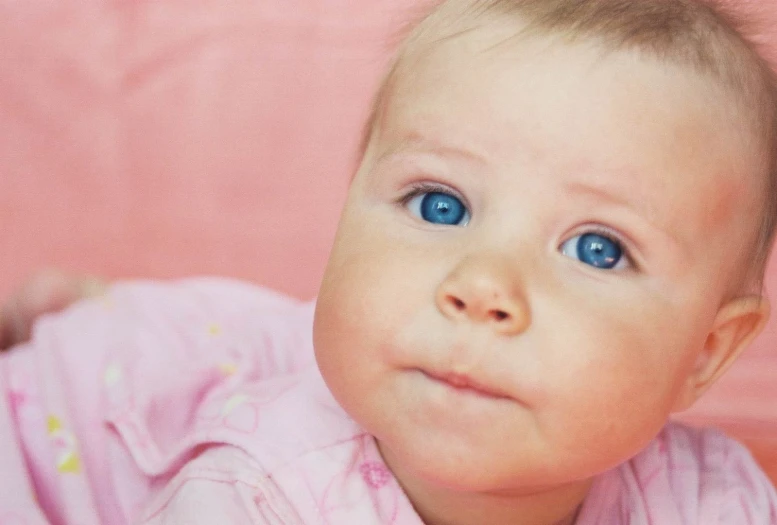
(446, 465)
(496, 470)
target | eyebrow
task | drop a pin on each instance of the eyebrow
(600, 193)
(421, 143)
(604, 193)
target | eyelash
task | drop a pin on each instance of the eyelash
(431, 187)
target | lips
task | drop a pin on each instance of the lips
(465, 383)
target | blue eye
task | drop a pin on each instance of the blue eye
(437, 207)
(596, 250)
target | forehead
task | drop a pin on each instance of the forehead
(675, 141)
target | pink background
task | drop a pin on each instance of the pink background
(169, 138)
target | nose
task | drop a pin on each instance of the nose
(484, 289)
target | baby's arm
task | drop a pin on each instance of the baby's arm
(45, 427)
(18, 501)
(99, 409)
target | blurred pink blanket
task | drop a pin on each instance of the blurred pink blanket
(173, 138)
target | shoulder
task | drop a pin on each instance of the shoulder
(701, 476)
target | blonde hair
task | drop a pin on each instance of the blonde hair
(703, 36)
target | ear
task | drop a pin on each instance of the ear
(737, 323)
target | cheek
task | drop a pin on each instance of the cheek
(618, 373)
(369, 284)
(371, 289)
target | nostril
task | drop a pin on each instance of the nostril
(458, 303)
(499, 315)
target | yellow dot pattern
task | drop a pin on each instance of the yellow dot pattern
(64, 443)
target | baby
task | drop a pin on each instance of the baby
(555, 240)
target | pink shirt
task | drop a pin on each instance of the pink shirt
(200, 403)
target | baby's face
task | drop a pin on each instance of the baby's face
(549, 228)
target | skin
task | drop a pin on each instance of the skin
(543, 141)
(47, 291)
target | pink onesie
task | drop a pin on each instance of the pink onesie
(200, 403)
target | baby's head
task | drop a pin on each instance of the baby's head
(564, 208)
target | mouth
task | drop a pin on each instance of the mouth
(466, 385)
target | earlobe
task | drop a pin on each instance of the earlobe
(737, 323)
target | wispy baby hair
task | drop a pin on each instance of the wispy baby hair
(701, 35)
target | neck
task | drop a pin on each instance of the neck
(440, 506)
